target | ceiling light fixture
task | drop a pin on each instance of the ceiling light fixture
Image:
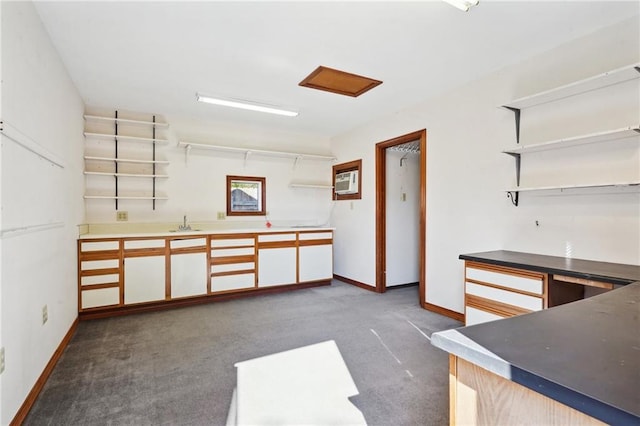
(245, 105)
(463, 5)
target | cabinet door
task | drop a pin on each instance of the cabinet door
(188, 274)
(144, 279)
(276, 266)
(316, 263)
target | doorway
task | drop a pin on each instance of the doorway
(419, 138)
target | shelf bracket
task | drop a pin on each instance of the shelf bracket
(518, 159)
(516, 113)
(187, 150)
(513, 196)
(295, 162)
(246, 157)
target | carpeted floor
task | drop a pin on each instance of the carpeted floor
(176, 367)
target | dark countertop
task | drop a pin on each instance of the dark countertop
(584, 354)
(614, 273)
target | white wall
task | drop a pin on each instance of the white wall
(197, 187)
(37, 268)
(403, 218)
(467, 210)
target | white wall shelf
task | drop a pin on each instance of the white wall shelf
(125, 160)
(96, 127)
(609, 78)
(125, 121)
(126, 174)
(310, 185)
(573, 186)
(605, 136)
(600, 81)
(125, 197)
(124, 138)
(188, 146)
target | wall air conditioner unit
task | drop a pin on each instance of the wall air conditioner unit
(346, 183)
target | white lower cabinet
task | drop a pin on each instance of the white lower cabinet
(276, 266)
(188, 274)
(477, 316)
(144, 279)
(316, 263)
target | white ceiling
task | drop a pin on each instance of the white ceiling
(155, 56)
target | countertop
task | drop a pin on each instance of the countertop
(199, 232)
(614, 273)
(584, 354)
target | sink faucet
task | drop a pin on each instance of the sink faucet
(184, 226)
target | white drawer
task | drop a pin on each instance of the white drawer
(515, 299)
(99, 264)
(99, 245)
(232, 267)
(99, 279)
(100, 297)
(232, 282)
(531, 285)
(138, 244)
(195, 242)
(233, 242)
(316, 236)
(276, 237)
(233, 252)
(477, 316)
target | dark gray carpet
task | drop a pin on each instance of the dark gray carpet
(176, 367)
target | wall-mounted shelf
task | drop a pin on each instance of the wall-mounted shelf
(310, 185)
(605, 136)
(125, 121)
(126, 175)
(125, 160)
(188, 146)
(124, 138)
(600, 81)
(609, 78)
(125, 197)
(100, 128)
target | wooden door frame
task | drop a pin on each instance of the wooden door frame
(381, 209)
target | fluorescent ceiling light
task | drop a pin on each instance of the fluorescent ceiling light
(463, 5)
(245, 105)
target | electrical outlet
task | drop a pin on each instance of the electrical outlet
(222, 215)
(122, 216)
(45, 314)
(1, 360)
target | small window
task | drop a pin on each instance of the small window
(246, 196)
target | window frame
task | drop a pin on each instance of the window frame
(262, 193)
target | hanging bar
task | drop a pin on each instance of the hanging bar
(116, 148)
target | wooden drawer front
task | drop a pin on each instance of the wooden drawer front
(233, 252)
(232, 267)
(140, 244)
(99, 279)
(530, 285)
(315, 236)
(233, 242)
(99, 245)
(511, 298)
(100, 264)
(100, 297)
(191, 242)
(276, 237)
(477, 316)
(232, 282)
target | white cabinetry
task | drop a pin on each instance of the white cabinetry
(188, 267)
(144, 271)
(315, 256)
(277, 259)
(494, 292)
(233, 262)
(592, 177)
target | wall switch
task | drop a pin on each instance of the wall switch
(351, 205)
(404, 196)
(222, 215)
(122, 216)
(1, 360)
(45, 314)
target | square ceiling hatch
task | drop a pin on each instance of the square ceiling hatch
(340, 82)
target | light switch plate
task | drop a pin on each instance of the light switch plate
(1, 360)
(45, 314)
